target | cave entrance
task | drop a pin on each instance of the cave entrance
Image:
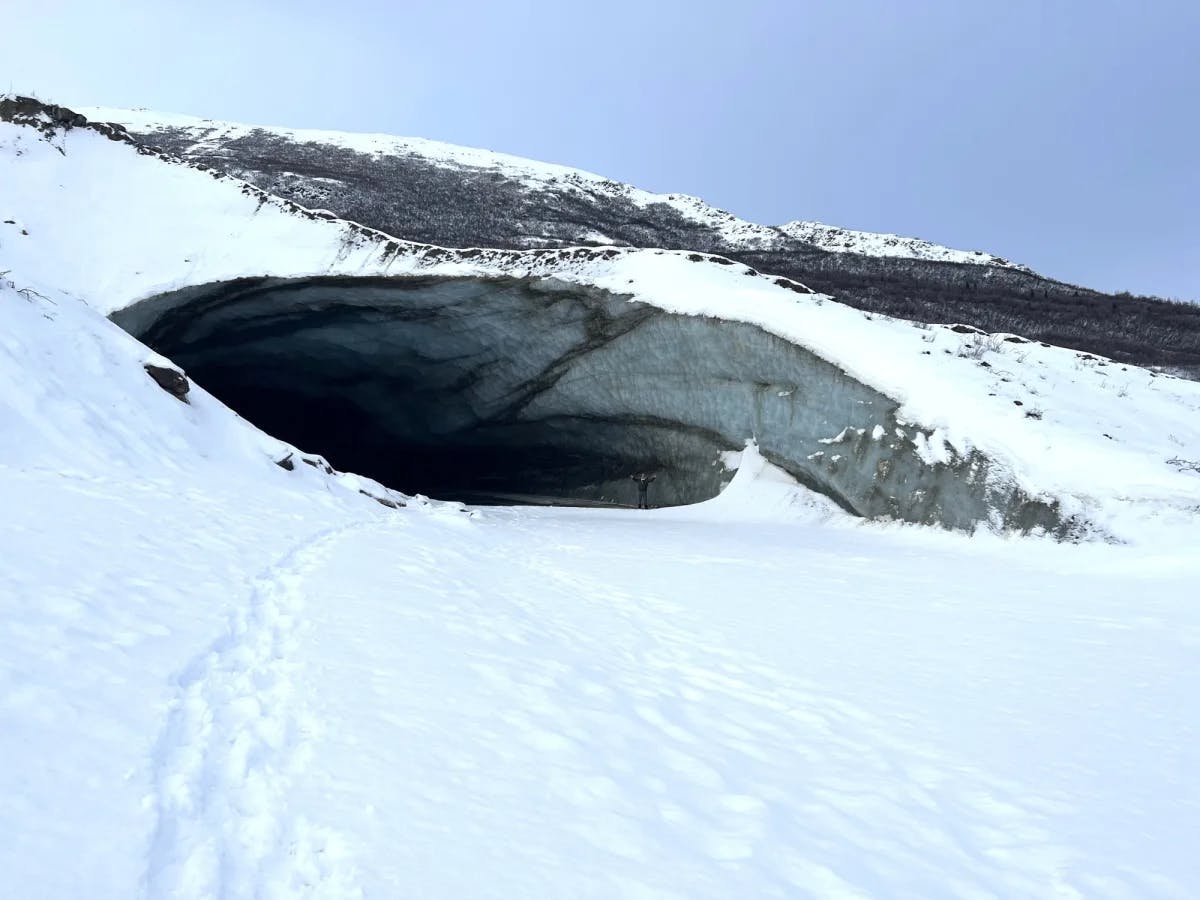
(539, 390)
(482, 390)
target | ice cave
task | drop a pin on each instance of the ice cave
(542, 390)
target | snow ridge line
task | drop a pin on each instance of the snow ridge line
(235, 740)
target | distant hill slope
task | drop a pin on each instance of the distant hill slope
(461, 197)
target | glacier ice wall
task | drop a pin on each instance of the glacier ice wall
(472, 387)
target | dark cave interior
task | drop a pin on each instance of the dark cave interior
(449, 388)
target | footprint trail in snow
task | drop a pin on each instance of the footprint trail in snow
(235, 742)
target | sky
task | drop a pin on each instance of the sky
(1060, 134)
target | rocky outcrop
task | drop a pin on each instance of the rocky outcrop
(45, 116)
(170, 380)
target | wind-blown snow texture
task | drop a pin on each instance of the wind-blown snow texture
(219, 677)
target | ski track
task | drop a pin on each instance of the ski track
(236, 738)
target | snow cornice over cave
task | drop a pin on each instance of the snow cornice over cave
(88, 213)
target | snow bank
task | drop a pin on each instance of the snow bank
(760, 491)
(76, 401)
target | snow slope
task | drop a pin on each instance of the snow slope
(131, 528)
(219, 678)
(1106, 440)
(208, 134)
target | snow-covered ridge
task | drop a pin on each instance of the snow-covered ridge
(88, 217)
(57, 125)
(740, 234)
(867, 243)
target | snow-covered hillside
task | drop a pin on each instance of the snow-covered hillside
(846, 240)
(224, 677)
(207, 135)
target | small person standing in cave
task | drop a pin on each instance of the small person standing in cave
(643, 483)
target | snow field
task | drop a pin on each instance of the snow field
(559, 702)
(658, 706)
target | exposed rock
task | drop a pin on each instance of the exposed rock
(384, 501)
(318, 463)
(170, 380)
(31, 111)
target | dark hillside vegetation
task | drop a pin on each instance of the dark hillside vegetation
(1146, 331)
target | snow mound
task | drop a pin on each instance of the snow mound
(761, 491)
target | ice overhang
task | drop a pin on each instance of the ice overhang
(478, 388)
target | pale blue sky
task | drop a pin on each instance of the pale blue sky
(1063, 135)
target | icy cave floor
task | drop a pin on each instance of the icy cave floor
(274, 695)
